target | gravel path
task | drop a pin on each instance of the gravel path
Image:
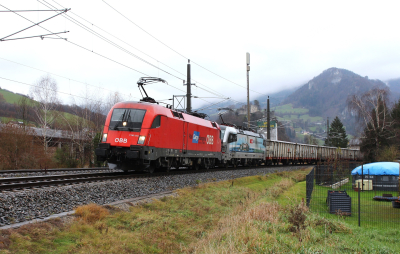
(39, 203)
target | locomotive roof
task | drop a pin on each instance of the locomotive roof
(239, 131)
(156, 109)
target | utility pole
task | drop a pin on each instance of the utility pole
(268, 122)
(188, 91)
(327, 130)
(248, 96)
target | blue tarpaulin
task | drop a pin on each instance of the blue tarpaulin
(378, 168)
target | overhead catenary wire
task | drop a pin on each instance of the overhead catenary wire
(60, 92)
(114, 44)
(90, 30)
(177, 51)
(102, 37)
(51, 73)
(98, 53)
(82, 47)
(209, 90)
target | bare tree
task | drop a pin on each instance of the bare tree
(24, 108)
(45, 93)
(111, 100)
(371, 109)
(83, 126)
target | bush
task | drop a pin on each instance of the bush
(19, 149)
(91, 213)
(64, 158)
(389, 153)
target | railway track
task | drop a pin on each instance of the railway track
(20, 183)
(52, 170)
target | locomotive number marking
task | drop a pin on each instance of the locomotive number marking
(210, 140)
(121, 140)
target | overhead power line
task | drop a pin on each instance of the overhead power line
(27, 66)
(90, 30)
(96, 52)
(65, 93)
(114, 44)
(34, 24)
(82, 46)
(177, 51)
(92, 51)
(209, 90)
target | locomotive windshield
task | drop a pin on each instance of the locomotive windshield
(127, 119)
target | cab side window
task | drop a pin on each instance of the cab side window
(156, 122)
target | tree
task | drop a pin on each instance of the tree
(83, 127)
(310, 139)
(2, 100)
(371, 109)
(45, 94)
(257, 104)
(389, 153)
(282, 132)
(337, 136)
(111, 100)
(23, 107)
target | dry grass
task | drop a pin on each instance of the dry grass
(91, 213)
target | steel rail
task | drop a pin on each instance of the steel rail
(18, 183)
(16, 171)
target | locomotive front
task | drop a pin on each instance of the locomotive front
(125, 134)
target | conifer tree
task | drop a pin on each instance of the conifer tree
(337, 136)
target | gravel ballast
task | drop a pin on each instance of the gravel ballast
(39, 203)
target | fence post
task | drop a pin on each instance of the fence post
(359, 207)
(362, 175)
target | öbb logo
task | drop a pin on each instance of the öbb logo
(121, 140)
(210, 140)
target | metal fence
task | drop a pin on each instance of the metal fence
(332, 191)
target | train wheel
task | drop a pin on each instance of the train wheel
(151, 169)
(212, 163)
(234, 164)
(206, 164)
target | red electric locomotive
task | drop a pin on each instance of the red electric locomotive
(146, 136)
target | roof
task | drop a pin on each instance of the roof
(378, 168)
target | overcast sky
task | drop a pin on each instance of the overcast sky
(290, 42)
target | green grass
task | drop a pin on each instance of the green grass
(247, 215)
(11, 97)
(288, 108)
(313, 129)
(373, 213)
(311, 119)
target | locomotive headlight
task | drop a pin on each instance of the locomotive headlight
(141, 140)
(124, 124)
(104, 137)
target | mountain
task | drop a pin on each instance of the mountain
(394, 86)
(326, 94)
(277, 98)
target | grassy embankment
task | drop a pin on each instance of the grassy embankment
(259, 214)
